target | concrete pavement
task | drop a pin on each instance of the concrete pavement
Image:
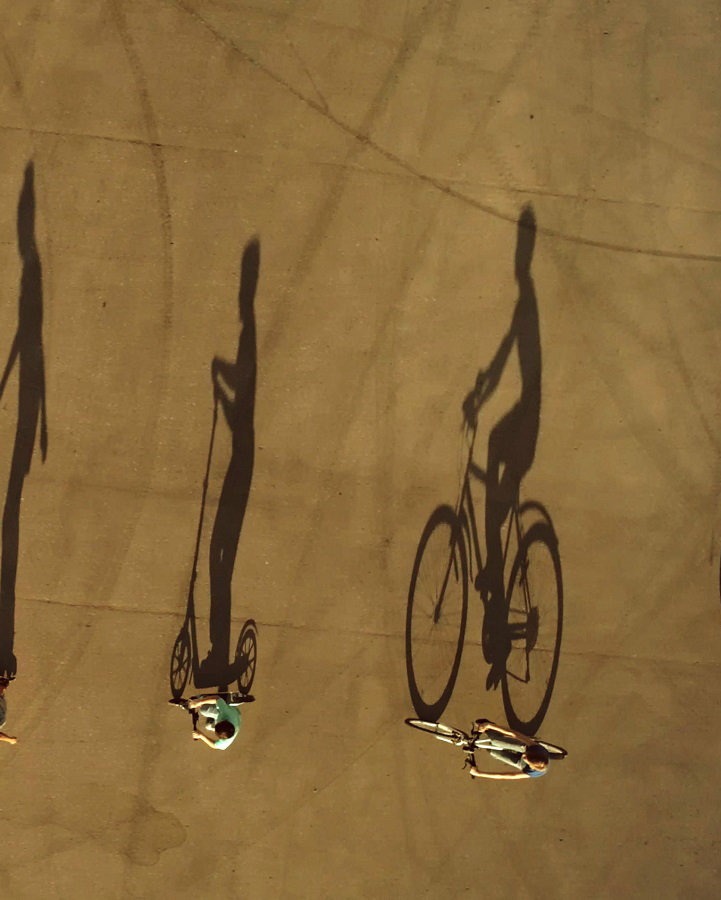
(381, 155)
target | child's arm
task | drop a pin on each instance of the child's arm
(199, 736)
(509, 732)
(497, 777)
(208, 698)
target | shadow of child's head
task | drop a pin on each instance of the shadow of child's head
(26, 213)
(249, 268)
(525, 242)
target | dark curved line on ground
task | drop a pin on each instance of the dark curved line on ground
(330, 164)
(130, 840)
(156, 153)
(436, 183)
(327, 207)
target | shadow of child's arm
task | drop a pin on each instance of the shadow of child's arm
(222, 369)
(14, 350)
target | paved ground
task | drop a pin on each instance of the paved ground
(355, 172)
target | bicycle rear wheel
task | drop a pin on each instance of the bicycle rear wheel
(436, 614)
(535, 620)
(440, 731)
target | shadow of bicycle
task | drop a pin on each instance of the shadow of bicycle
(517, 574)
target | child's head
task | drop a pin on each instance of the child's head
(224, 729)
(537, 757)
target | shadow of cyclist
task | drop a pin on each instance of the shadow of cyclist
(234, 388)
(27, 352)
(512, 441)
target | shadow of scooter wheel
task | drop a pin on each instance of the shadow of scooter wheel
(246, 657)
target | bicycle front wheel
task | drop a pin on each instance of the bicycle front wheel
(436, 613)
(535, 619)
(440, 731)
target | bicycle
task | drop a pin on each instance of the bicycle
(469, 743)
(532, 613)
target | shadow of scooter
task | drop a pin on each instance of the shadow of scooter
(185, 657)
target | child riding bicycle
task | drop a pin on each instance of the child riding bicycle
(510, 747)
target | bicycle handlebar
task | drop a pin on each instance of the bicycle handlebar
(475, 398)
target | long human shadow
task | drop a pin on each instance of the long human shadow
(512, 440)
(234, 393)
(523, 597)
(234, 389)
(520, 584)
(27, 353)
